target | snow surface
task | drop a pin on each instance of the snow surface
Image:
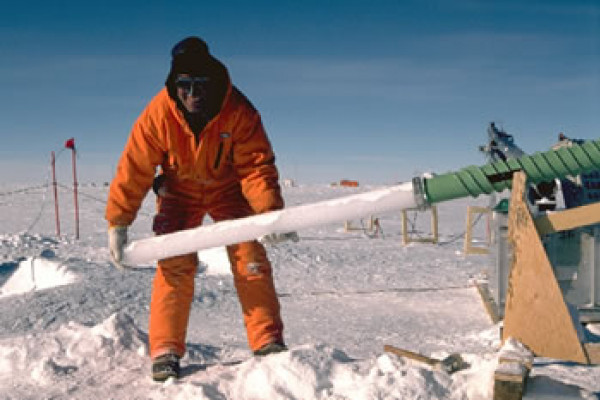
(73, 327)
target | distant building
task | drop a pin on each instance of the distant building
(348, 183)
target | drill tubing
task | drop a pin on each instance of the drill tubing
(497, 176)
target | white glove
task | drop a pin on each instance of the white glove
(275, 238)
(117, 238)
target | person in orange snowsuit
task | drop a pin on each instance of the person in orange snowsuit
(213, 156)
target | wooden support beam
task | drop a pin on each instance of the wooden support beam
(593, 352)
(490, 305)
(510, 379)
(568, 219)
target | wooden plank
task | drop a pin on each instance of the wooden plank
(510, 386)
(468, 232)
(536, 313)
(480, 210)
(412, 355)
(422, 240)
(476, 250)
(510, 377)
(405, 239)
(593, 352)
(568, 219)
(490, 305)
(434, 224)
(450, 364)
(508, 390)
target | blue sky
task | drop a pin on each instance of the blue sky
(377, 91)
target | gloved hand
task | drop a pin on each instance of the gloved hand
(275, 238)
(117, 238)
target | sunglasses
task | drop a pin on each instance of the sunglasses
(192, 84)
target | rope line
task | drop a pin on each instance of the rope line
(317, 293)
(44, 200)
(83, 194)
(103, 201)
(452, 238)
(461, 235)
(23, 190)
(375, 291)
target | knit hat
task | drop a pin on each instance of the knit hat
(190, 56)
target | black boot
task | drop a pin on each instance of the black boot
(165, 367)
(274, 347)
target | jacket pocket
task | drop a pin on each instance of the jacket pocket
(219, 155)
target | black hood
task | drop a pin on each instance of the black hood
(191, 56)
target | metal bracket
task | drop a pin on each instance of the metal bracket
(419, 194)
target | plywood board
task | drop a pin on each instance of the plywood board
(536, 313)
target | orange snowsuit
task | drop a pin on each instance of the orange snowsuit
(228, 172)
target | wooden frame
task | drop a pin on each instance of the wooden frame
(406, 238)
(348, 226)
(469, 248)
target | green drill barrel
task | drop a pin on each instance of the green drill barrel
(497, 176)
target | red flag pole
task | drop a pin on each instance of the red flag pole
(53, 162)
(75, 194)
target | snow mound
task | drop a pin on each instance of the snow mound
(49, 357)
(113, 356)
(35, 273)
(317, 371)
